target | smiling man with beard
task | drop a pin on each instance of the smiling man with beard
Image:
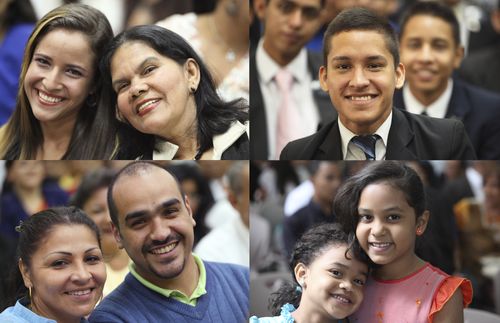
(153, 221)
(360, 72)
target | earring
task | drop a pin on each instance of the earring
(29, 292)
(419, 231)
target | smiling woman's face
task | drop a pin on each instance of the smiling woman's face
(66, 274)
(153, 91)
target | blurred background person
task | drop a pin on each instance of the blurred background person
(287, 102)
(230, 241)
(17, 19)
(326, 178)
(482, 67)
(431, 51)
(91, 196)
(25, 192)
(147, 12)
(114, 10)
(197, 189)
(221, 38)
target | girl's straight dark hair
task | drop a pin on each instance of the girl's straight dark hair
(396, 174)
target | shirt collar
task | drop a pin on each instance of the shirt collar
(167, 150)
(176, 294)
(436, 109)
(346, 135)
(268, 68)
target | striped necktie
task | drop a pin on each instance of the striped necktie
(366, 144)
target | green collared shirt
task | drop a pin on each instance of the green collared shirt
(175, 294)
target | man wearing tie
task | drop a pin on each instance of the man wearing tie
(430, 50)
(360, 74)
(285, 97)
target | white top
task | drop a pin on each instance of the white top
(352, 152)
(298, 197)
(228, 243)
(436, 109)
(235, 84)
(167, 150)
(302, 94)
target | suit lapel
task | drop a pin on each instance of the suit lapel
(258, 122)
(331, 147)
(399, 139)
(459, 106)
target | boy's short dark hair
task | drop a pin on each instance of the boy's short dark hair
(361, 19)
(433, 9)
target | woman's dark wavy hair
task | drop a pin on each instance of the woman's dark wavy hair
(312, 244)
(396, 174)
(94, 133)
(214, 116)
(33, 231)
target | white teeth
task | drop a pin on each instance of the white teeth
(361, 98)
(164, 249)
(342, 299)
(145, 105)
(80, 292)
(380, 245)
(48, 98)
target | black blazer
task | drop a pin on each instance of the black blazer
(410, 137)
(479, 110)
(258, 124)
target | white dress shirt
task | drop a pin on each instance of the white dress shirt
(436, 109)
(302, 94)
(352, 152)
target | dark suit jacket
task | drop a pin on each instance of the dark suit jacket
(479, 110)
(410, 137)
(482, 68)
(258, 124)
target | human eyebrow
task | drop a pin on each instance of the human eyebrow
(136, 214)
(376, 58)
(145, 213)
(77, 67)
(340, 58)
(168, 203)
(339, 264)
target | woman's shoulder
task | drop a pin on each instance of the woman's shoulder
(20, 314)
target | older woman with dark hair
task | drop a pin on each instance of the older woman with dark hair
(60, 271)
(165, 92)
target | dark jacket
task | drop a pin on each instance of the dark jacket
(410, 137)
(258, 124)
(479, 110)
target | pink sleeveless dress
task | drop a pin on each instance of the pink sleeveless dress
(413, 299)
